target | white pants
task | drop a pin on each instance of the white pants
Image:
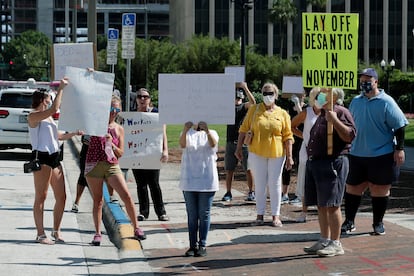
(267, 172)
(300, 182)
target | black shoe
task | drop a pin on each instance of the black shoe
(201, 252)
(191, 252)
(347, 227)
(141, 218)
(227, 197)
(163, 218)
(378, 229)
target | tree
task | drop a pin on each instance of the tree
(282, 12)
(29, 53)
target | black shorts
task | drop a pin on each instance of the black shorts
(52, 160)
(378, 170)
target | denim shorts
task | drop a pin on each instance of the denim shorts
(104, 170)
(325, 181)
(378, 170)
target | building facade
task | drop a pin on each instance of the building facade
(385, 31)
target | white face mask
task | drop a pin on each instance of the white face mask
(269, 100)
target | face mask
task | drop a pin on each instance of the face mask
(269, 100)
(320, 100)
(366, 87)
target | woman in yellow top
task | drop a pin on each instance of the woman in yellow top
(269, 151)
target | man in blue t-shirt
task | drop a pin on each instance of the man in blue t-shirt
(377, 148)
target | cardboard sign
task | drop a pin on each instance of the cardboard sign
(86, 101)
(79, 55)
(143, 140)
(330, 50)
(237, 71)
(196, 97)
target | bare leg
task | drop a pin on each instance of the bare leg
(58, 185)
(95, 187)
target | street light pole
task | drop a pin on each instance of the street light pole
(244, 6)
(388, 70)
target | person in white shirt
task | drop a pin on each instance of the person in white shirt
(199, 181)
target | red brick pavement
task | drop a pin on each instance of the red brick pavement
(392, 254)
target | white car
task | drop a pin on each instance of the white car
(15, 105)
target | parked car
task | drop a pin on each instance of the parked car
(15, 105)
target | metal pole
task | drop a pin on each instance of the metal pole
(128, 82)
(66, 21)
(243, 42)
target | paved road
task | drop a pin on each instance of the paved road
(234, 246)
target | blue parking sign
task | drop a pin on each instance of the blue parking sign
(128, 19)
(113, 34)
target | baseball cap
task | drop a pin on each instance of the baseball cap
(370, 72)
(239, 94)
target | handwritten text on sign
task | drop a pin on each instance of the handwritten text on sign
(330, 50)
(79, 55)
(143, 140)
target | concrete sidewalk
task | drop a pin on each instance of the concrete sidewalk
(237, 248)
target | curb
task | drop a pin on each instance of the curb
(117, 224)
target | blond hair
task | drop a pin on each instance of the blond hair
(313, 94)
(272, 87)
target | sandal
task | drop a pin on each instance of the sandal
(258, 222)
(277, 223)
(55, 235)
(43, 239)
(97, 240)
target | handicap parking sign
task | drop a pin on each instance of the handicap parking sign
(128, 19)
(113, 34)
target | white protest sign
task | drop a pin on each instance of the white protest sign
(79, 55)
(196, 97)
(237, 71)
(86, 101)
(292, 85)
(143, 140)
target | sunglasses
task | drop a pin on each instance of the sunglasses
(112, 109)
(142, 96)
(266, 93)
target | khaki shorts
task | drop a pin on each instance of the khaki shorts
(104, 170)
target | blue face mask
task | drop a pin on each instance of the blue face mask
(366, 86)
(320, 100)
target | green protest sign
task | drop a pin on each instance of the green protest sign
(330, 50)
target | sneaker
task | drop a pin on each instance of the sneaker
(251, 196)
(378, 229)
(301, 218)
(227, 197)
(296, 200)
(333, 249)
(191, 252)
(163, 218)
(348, 227)
(141, 217)
(285, 199)
(113, 199)
(75, 208)
(201, 252)
(315, 247)
(97, 240)
(139, 234)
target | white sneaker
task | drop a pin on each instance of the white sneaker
(75, 208)
(113, 199)
(316, 247)
(334, 248)
(301, 218)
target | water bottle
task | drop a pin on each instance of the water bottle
(108, 150)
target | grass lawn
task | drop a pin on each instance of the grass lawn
(409, 134)
(173, 134)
